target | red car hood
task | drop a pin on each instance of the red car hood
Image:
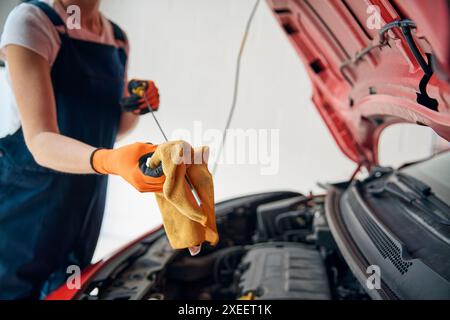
(362, 84)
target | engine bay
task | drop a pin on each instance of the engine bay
(273, 246)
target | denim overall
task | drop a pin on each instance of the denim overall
(50, 220)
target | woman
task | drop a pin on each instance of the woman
(67, 86)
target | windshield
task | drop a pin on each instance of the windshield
(435, 173)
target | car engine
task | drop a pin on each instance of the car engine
(283, 271)
(272, 246)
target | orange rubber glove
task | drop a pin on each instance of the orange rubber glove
(125, 162)
(135, 103)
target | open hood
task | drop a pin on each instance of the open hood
(373, 63)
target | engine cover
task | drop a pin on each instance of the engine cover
(284, 271)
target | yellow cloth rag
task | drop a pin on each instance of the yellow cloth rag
(187, 225)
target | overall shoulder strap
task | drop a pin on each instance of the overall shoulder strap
(120, 36)
(49, 12)
(118, 33)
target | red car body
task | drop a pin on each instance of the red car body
(65, 293)
(360, 86)
(357, 100)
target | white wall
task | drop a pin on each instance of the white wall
(189, 48)
(5, 8)
(404, 142)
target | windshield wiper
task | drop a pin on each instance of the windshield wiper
(431, 219)
(418, 186)
(438, 215)
(426, 193)
(422, 196)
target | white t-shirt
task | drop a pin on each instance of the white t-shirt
(28, 26)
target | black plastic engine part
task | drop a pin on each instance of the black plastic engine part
(236, 218)
(274, 218)
(284, 271)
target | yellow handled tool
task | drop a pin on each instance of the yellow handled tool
(140, 88)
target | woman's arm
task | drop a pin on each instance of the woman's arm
(32, 87)
(128, 122)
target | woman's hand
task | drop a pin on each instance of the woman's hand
(135, 102)
(125, 162)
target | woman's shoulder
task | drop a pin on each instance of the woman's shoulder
(28, 26)
(26, 14)
(116, 34)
